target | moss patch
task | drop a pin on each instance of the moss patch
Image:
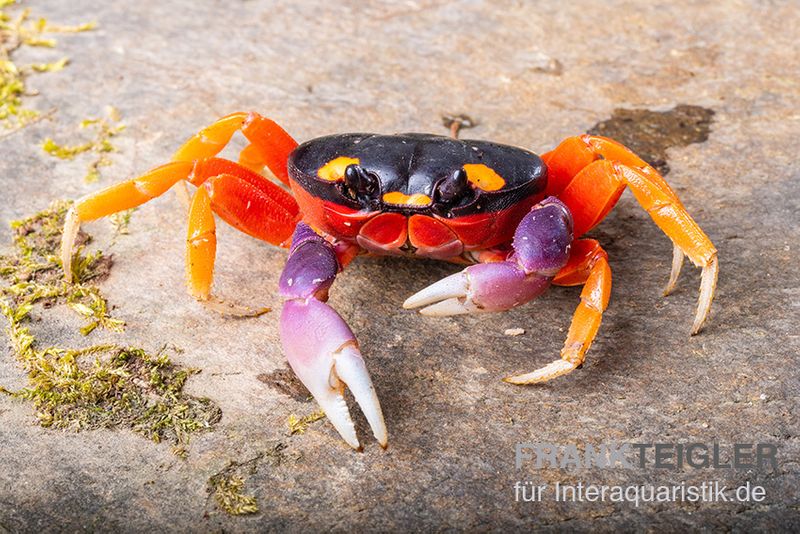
(229, 496)
(227, 487)
(17, 31)
(102, 386)
(104, 130)
(298, 425)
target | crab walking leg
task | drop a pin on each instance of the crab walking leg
(270, 145)
(268, 200)
(320, 347)
(575, 153)
(250, 157)
(587, 265)
(540, 249)
(593, 192)
(589, 174)
(118, 197)
(201, 246)
(246, 202)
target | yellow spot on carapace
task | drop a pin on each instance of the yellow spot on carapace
(333, 171)
(401, 199)
(483, 177)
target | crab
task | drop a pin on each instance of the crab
(517, 220)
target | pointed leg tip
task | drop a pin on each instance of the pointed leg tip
(523, 380)
(512, 380)
(675, 272)
(708, 285)
(545, 374)
(697, 327)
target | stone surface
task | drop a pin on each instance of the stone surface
(531, 73)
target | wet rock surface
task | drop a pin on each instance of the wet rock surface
(651, 133)
(529, 74)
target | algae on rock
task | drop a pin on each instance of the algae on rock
(102, 386)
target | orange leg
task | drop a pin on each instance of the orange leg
(242, 202)
(201, 246)
(587, 265)
(251, 209)
(258, 184)
(270, 145)
(576, 153)
(242, 197)
(250, 157)
(589, 174)
(118, 197)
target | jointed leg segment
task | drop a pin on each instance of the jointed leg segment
(270, 145)
(242, 197)
(587, 265)
(589, 174)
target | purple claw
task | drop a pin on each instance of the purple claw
(324, 355)
(501, 286)
(541, 248)
(320, 347)
(543, 237)
(311, 270)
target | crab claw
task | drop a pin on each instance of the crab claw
(541, 248)
(484, 287)
(323, 352)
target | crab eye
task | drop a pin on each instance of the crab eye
(454, 188)
(359, 183)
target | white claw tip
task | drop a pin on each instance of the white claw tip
(453, 306)
(349, 370)
(454, 286)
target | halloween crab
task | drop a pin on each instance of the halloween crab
(516, 218)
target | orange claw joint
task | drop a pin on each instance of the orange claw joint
(319, 346)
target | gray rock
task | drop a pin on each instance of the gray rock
(531, 74)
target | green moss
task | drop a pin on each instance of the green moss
(104, 130)
(102, 386)
(298, 425)
(229, 496)
(64, 152)
(227, 486)
(17, 31)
